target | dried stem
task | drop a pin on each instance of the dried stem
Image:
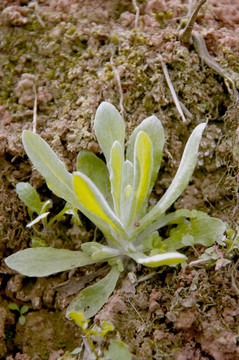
(34, 123)
(117, 77)
(185, 35)
(170, 85)
(137, 14)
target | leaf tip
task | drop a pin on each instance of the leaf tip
(170, 258)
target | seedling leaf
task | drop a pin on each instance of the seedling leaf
(203, 230)
(24, 309)
(22, 320)
(117, 351)
(37, 219)
(13, 307)
(29, 196)
(91, 299)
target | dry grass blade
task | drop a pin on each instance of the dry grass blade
(170, 85)
(137, 14)
(34, 123)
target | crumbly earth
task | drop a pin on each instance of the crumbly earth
(73, 55)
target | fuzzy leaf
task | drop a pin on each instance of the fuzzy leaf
(40, 217)
(181, 179)
(44, 261)
(24, 309)
(117, 351)
(98, 251)
(29, 196)
(109, 126)
(58, 179)
(163, 220)
(95, 168)
(153, 128)
(204, 230)
(46, 206)
(92, 199)
(128, 174)
(168, 258)
(91, 299)
(143, 164)
(143, 157)
(14, 307)
(116, 167)
(127, 190)
(22, 320)
(153, 241)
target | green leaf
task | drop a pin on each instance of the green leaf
(44, 261)
(106, 326)
(13, 307)
(204, 230)
(38, 242)
(128, 174)
(143, 164)
(127, 190)
(116, 167)
(58, 179)
(75, 217)
(22, 320)
(171, 218)
(91, 299)
(181, 179)
(153, 128)
(167, 258)
(117, 351)
(188, 240)
(152, 241)
(39, 218)
(29, 196)
(98, 251)
(92, 200)
(95, 168)
(24, 309)
(46, 206)
(109, 126)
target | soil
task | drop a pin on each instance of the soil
(77, 54)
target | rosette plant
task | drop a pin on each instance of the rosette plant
(114, 196)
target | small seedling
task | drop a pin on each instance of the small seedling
(117, 349)
(232, 239)
(21, 311)
(114, 196)
(31, 199)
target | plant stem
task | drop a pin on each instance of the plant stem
(185, 34)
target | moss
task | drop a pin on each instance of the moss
(163, 17)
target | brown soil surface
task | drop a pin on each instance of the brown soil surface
(73, 50)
